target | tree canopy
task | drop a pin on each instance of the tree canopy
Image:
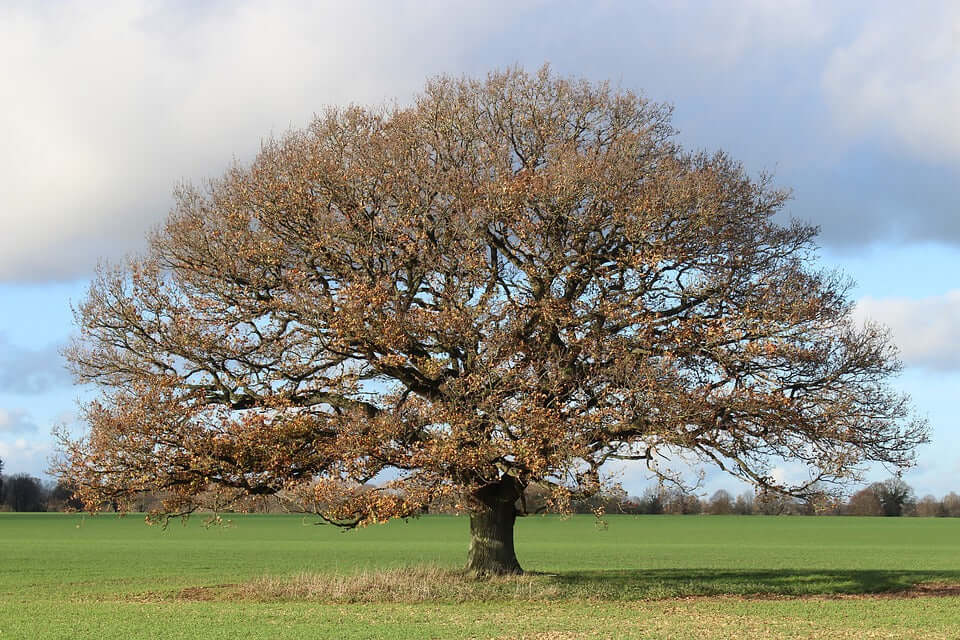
(516, 279)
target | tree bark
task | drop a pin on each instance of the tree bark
(491, 529)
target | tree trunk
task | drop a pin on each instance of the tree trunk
(491, 528)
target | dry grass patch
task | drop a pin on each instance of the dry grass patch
(405, 585)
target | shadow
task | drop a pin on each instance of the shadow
(670, 583)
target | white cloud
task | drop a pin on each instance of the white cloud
(104, 109)
(927, 330)
(107, 106)
(899, 78)
(15, 421)
(24, 456)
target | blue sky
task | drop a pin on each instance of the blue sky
(107, 107)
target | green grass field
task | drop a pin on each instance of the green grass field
(66, 576)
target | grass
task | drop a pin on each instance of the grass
(658, 577)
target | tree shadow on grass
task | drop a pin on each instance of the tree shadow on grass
(637, 584)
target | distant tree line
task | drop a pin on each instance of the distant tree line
(23, 492)
(893, 497)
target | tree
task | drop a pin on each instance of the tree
(865, 502)
(929, 506)
(1, 480)
(744, 504)
(894, 496)
(651, 502)
(514, 280)
(721, 503)
(24, 493)
(951, 505)
(680, 502)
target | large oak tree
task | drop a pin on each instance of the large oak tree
(514, 280)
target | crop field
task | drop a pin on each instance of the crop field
(69, 576)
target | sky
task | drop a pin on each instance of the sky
(105, 107)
